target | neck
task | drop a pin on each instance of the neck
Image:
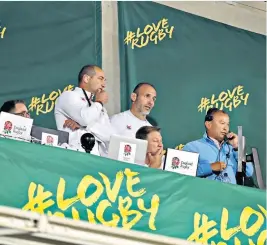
(82, 86)
(137, 114)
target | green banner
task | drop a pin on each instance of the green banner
(82, 186)
(195, 64)
(43, 46)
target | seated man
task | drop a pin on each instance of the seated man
(217, 157)
(154, 157)
(128, 122)
(16, 107)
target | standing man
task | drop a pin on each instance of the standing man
(128, 122)
(76, 113)
(217, 157)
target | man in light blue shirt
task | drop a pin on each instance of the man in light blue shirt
(217, 157)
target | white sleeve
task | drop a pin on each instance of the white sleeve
(77, 110)
(116, 123)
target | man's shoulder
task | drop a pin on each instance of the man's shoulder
(120, 115)
(195, 144)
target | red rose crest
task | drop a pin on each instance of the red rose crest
(7, 127)
(175, 162)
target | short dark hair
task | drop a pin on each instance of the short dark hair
(143, 132)
(139, 85)
(211, 112)
(10, 105)
(86, 70)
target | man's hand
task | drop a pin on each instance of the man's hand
(218, 166)
(101, 97)
(154, 160)
(234, 140)
(71, 124)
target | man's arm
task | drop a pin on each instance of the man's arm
(203, 167)
(73, 106)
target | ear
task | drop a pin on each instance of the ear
(208, 124)
(86, 78)
(133, 97)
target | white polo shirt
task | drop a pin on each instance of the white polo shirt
(126, 124)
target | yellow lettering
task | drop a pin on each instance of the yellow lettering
(47, 109)
(228, 104)
(264, 211)
(43, 99)
(53, 95)
(237, 241)
(156, 28)
(112, 193)
(39, 109)
(83, 186)
(213, 100)
(68, 88)
(61, 203)
(245, 99)
(91, 216)
(231, 94)
(165, 23)
(37, 201)
(244, 218)
(135, 43)
(153, 210)
(202, 229)
(153, 37)
(138, 34)
(262, 238)
(75, 214)
(103, 205)
(170, 31)
(240, 90)
(161, 34)
(222, 96)
(148, 29)
(226, 234)
(125, 212)
(236, 101)
(130, 182)
(3, 32)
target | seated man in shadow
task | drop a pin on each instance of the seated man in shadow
(16, 107)
(154, 157)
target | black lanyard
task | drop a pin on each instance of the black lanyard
(86, 96)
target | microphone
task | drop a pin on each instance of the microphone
(88, 142)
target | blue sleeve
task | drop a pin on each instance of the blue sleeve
(203, 167)
(249, 169)
(249, 166)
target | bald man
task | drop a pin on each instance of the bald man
(143, 100)
(76, 113)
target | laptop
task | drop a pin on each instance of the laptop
(182, 162)
(127, 149)
(15, 126)
(49, 136)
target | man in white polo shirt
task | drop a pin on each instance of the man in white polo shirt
(128, 122)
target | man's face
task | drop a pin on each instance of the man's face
(145, 99)
(98, 81)
(21, 110)
(219, 126)
(154, 142)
